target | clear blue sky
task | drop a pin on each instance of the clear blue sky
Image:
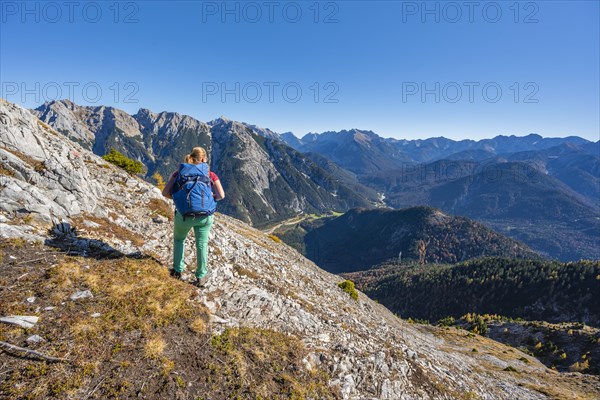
(373, 58)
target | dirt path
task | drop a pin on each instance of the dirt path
(290, 221)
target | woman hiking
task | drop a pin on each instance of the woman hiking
(195, 190)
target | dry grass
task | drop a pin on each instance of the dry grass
(246, 272)
(116, 205)
(141, 335)
(133, 294)
(161, 207)
(266, 365)
(558, 391)
(154, 347)
(5, 171)
(132, 299)
(12, 243)
(198, 326)
(107, 227)
(38, 166)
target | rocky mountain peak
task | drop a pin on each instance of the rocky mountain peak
(85, 123)
(168, 124)
(359, 151)
(145, 114)
(291, 140)
(222, 120)
(264, 132)
(65, 116)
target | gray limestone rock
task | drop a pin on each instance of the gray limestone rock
(24, 321)
(82, 294)
(35, 339)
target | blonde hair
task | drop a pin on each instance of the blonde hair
(197, 156)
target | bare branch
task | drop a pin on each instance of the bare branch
(36, 354)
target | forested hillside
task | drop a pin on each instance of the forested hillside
(529, 289)
(361, 238)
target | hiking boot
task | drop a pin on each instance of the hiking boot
(175, 274)
(201, 282)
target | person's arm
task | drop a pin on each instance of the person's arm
(218, 191)
(169, 186)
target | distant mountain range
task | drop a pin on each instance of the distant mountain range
(334, 145)
(542, 191)
(362, 238)
(358, 151)
(574, 165)
(521, 200)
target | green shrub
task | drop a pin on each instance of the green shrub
(118, 159)
(447, 321)
(480, 325)
(348, 287)
(477, 323)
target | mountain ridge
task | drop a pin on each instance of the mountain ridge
(434, 148)
(260, 195)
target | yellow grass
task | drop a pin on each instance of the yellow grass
(154, 347)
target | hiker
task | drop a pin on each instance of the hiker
(195, 190)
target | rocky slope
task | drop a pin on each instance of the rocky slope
(265, 180)
(367, 352)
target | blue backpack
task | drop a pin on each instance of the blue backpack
(192, 191)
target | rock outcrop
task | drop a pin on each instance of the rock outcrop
(368, 352)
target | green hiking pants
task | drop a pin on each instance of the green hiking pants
(201, 227)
